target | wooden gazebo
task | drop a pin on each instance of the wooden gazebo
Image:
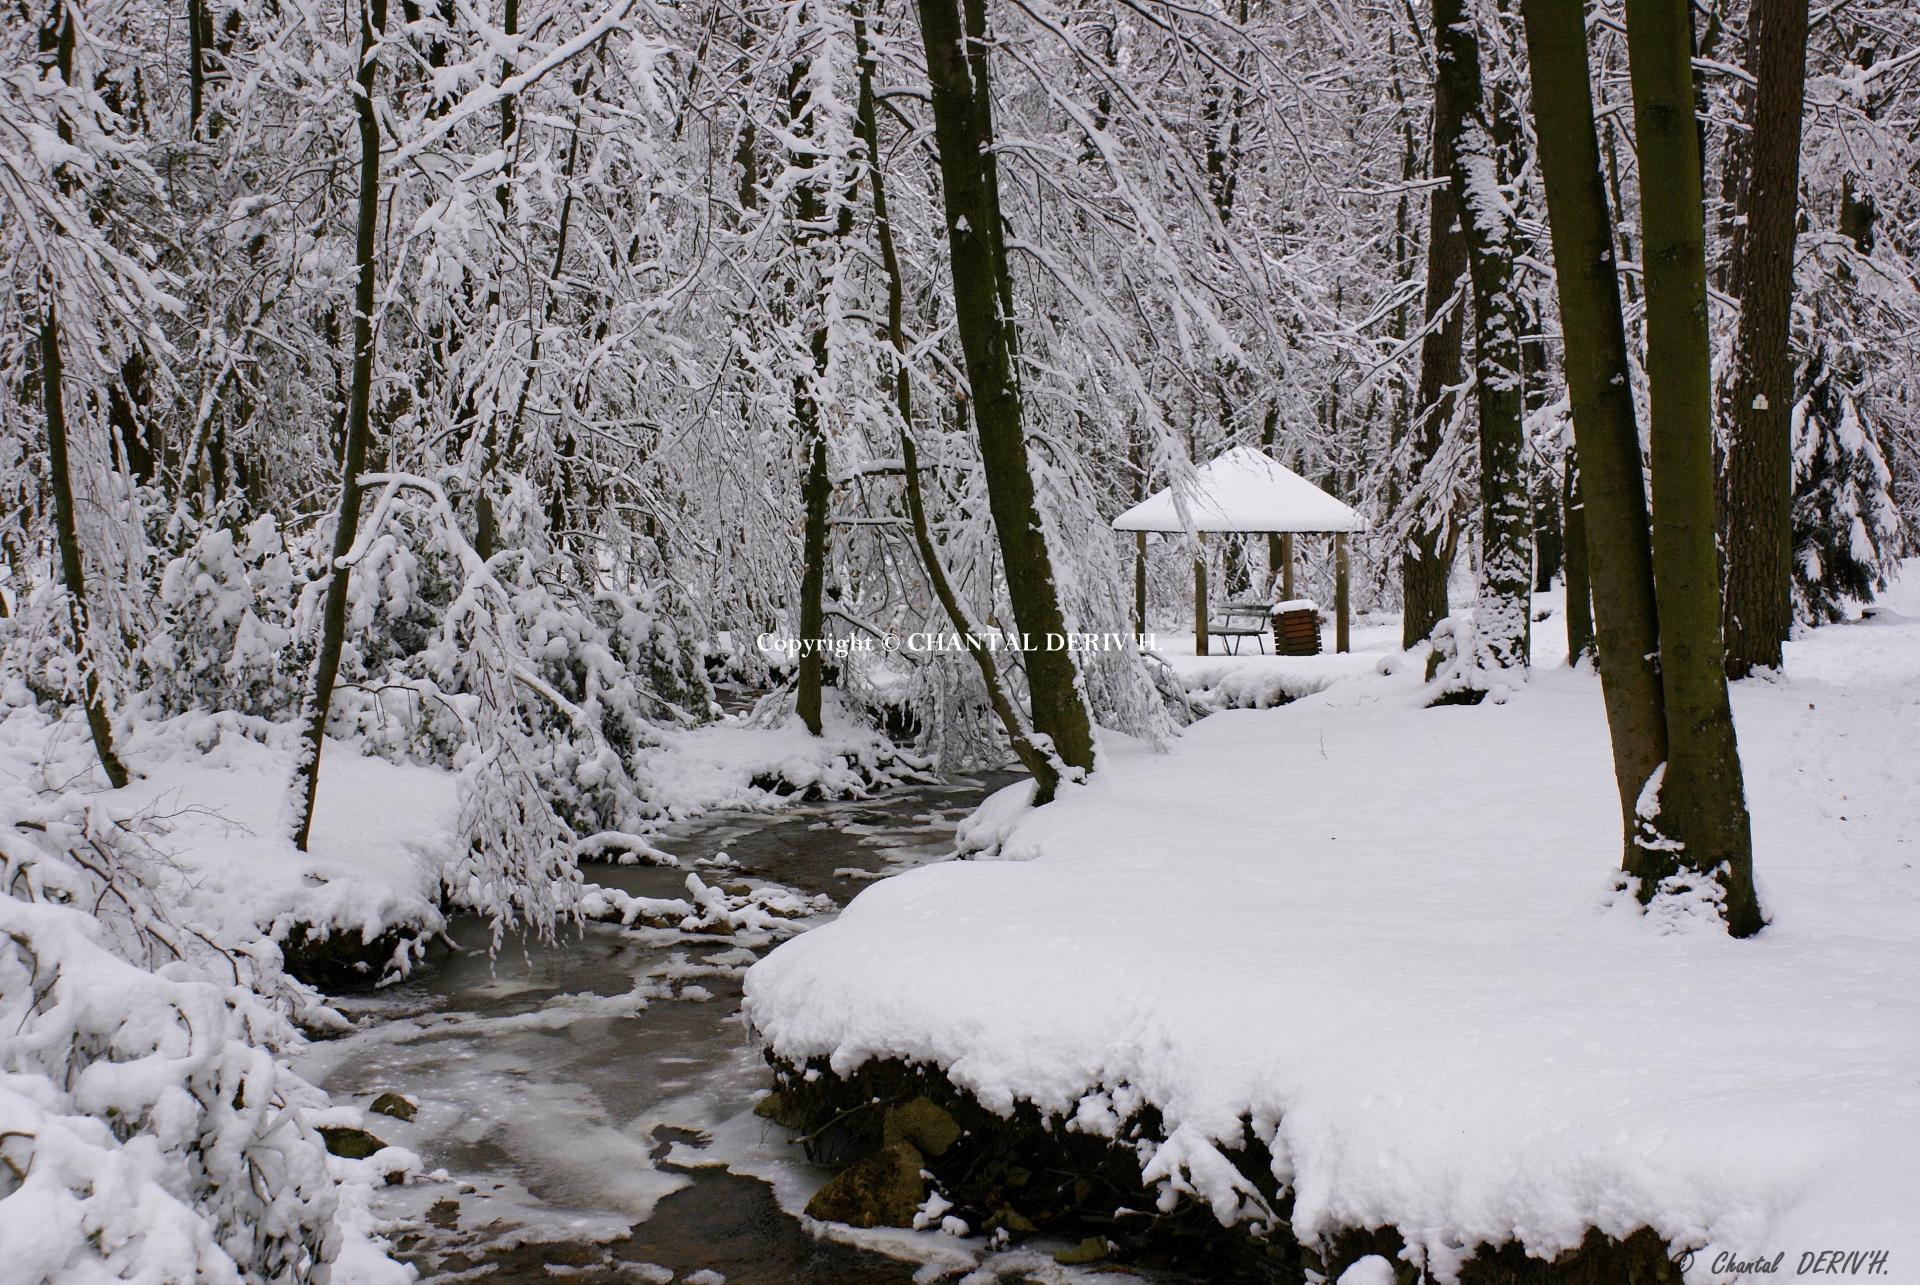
(1245, 492)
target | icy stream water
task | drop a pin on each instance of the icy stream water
(590, 1103)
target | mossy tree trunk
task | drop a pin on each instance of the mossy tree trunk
(1610, 486)
(1758, 479)
(359, 433)
(983, 310)
(1694, 820)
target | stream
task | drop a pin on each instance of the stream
(584, 1110)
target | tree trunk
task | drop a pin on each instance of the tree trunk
(810, 219)
(57, 37)
(1502, 614)
(1200, 637)
(1424, 563)
(1140, 583)
(1401, 424)
(1573, 525)
(1045, 774)
(1269, 429)
(1342, 595)
(72, 568)
(1758, 479)
(982, 290)
(813, 575)
(974, 16)
(1610, 484)
(196, 64)
(1695, 819)
(333, 620)
(486, 520)
(509, 108)
(1137, 468)
(1623, 231)
(1549, 533)
(492, 448)
(1043, 767)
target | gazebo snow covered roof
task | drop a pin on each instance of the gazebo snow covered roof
(1245, 491)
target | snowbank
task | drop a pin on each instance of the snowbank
(1262, 682)
(757, 764)
(212, 788)
(150, 1127)
(379, 841)
(1385, 937)
(1256, 679)
(209, 790)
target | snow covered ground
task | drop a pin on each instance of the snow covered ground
(756, 764)
(1388, 936)
(150, 1126)
(212, 789)
(378, 845)
(1256, 679)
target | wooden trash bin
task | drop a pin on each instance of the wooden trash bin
(1296, 627)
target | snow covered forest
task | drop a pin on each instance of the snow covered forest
(471, 470)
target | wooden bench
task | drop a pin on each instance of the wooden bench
(1239, 620)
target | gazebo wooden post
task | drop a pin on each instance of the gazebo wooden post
(1140, 583)
(1200, 597)
(1340, 592)
(1286, 565)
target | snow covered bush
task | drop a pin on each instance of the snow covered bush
(415, 615)
(932, 700)
(226, 635)
(36, 649)
(148, 1131)
(538, 692)
(1460, 669)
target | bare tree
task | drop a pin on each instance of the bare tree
(1483, 135)
(58, 34)
(358, 431)
(983, 308)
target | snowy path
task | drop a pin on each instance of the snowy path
(1386, 935)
